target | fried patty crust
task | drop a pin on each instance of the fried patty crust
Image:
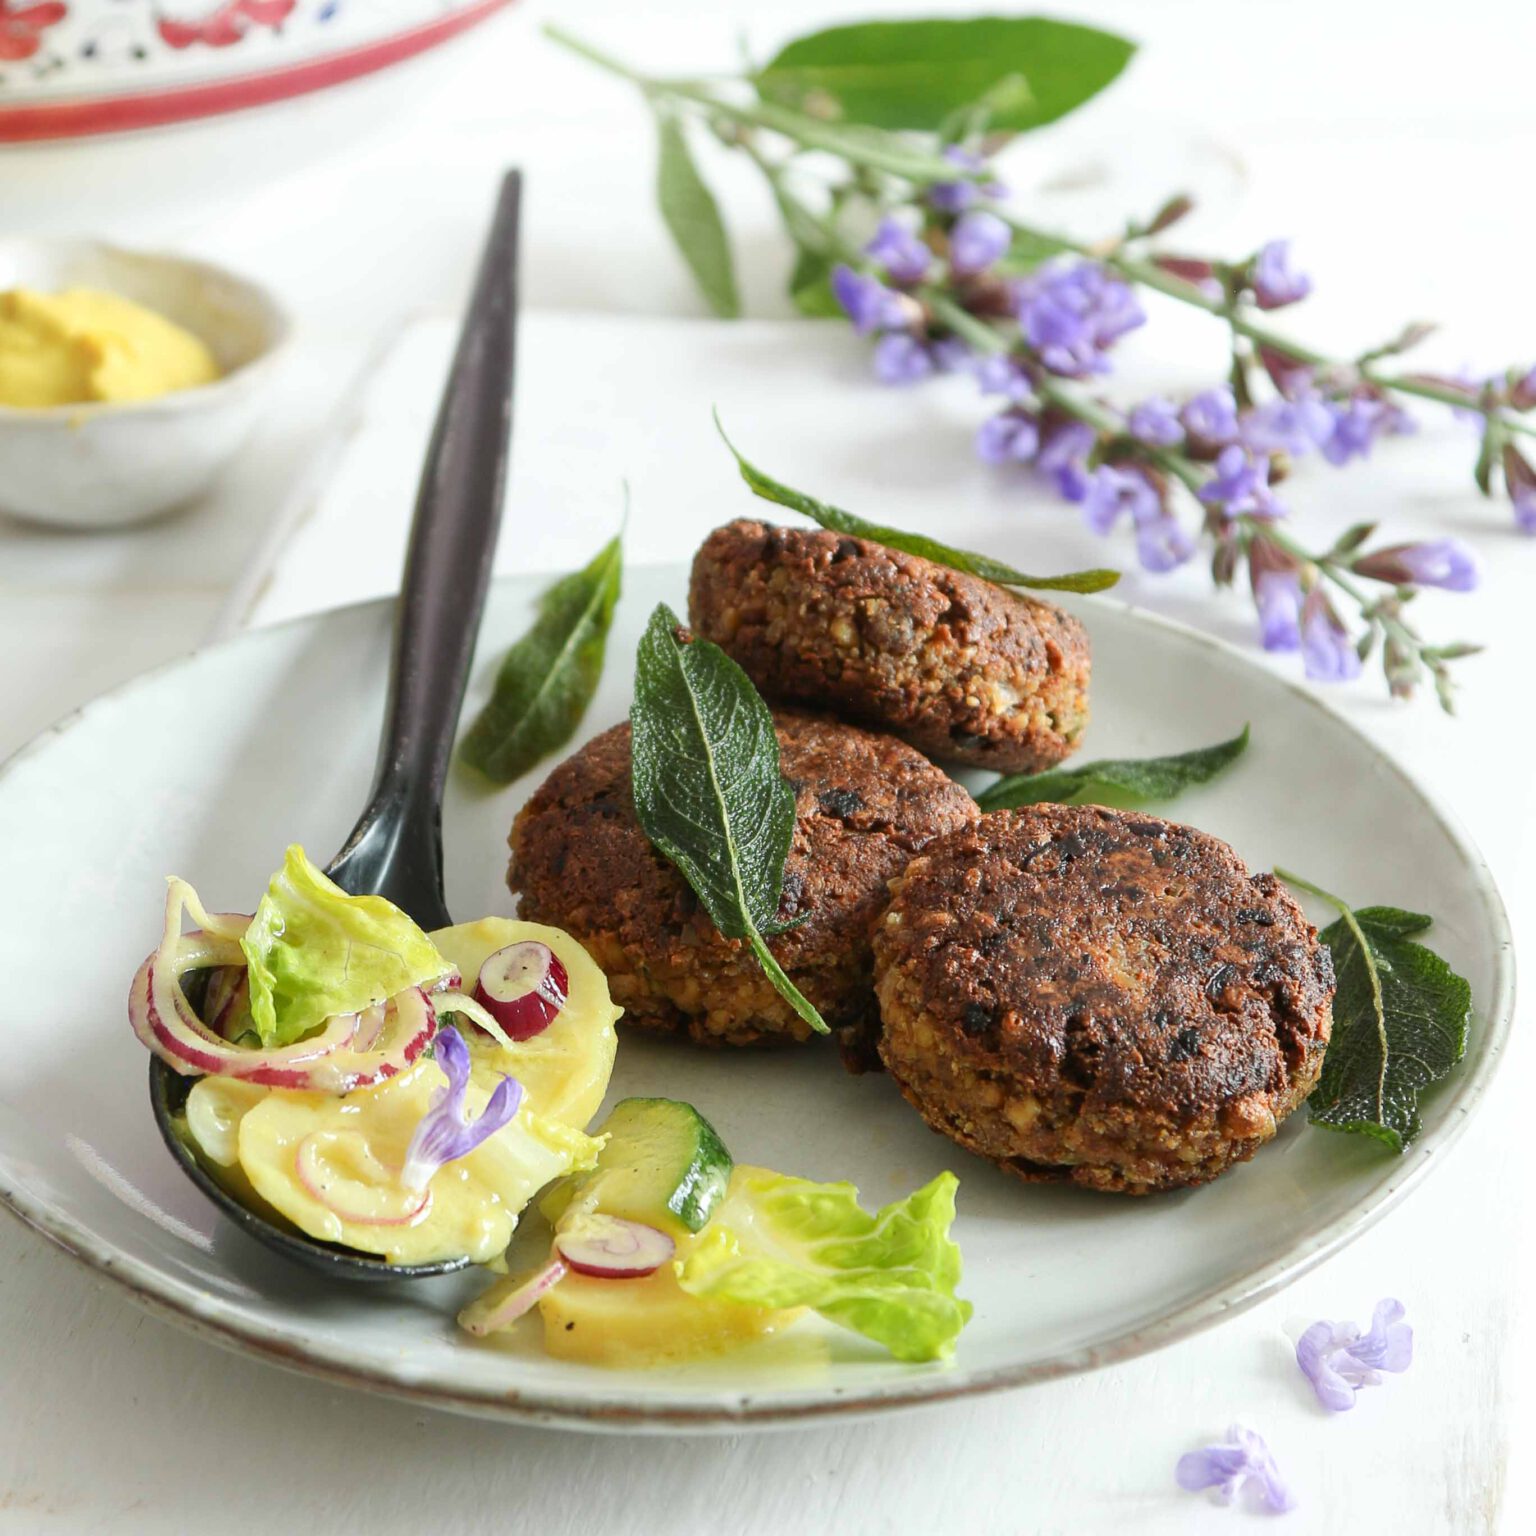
(965, 671)
(1100, 996)
(864, 805)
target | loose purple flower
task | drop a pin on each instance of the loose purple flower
(1064, 449)
(1277, 595)
(1294, 427)
(902, 359)
(1163, 543)
(1113, 491)
(443, 1133)
(1241, 484)
(957, 196)
(1010, 438)
(1241, 1461)
(1524, 503)
(1274, 283)
(1338, 1359)
(978, 239)
(905, 258)
(1071, 314)
(1156, 423)
(869, 304)
(1327, 651)
(1446, 563)
(1211, 417)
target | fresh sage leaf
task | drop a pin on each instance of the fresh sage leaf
(1400, 1021)
(810, 287)
(917, 74)
(690, 212)
(548, 677)
(839, 521)
(708, 789)
(1140, 778)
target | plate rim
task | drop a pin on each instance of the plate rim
(206, 1317)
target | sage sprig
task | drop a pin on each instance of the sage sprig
(839, 521)
(548, 677)
(1138, 778)
(1400, 1021)
(877, 145)
(708, 789)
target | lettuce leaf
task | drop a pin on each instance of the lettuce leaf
(313, 951)
(777, 1241)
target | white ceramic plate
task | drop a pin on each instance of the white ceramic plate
(209, 767)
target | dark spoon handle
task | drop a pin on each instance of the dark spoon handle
(396, 849)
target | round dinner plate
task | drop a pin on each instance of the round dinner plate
(208, 767)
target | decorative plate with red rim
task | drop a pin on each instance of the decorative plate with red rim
(74, 68)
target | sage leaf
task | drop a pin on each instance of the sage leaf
(1400, 1022)
(810, 287)
(548, 677)
(916, 74)
(708, 790)
(692, 216)
(1139, 778)
(840, 521)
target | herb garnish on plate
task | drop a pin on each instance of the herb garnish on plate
(548, 677)
(1140, 778)
(839, 521)
(1400, 1021)
(708, 790)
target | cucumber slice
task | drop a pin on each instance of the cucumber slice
(664, 1165)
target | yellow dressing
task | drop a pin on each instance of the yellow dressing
(82, 346)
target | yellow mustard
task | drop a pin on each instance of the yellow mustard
(82, 345)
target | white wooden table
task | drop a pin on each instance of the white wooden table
(1392, 150)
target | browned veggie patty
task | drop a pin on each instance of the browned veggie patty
(963, 670)
(1098, 995)
(864, 805)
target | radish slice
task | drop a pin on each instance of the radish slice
(610, 1248)
(340, 1170)
(523, 987)
(496, 1309)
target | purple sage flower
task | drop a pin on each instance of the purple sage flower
(444, 1133)
(1338, 1359)
(1327, 651)
(1523, 500)
(1241, 1461)
(1277, 595)
(957, 196)
(1071, 314)
(1000, 374)
(1211, 416)
(902, 359)
(1063, 454)
(1241, 484)
(869, 304)
(1011, 438)
(950, 354)
(1163, 543)
(1274, 283)
(1112, 491)
(1294, 427)
(905, 258)
(1357, 423)
(978, 239)
(1155, 422)
(1446, 563)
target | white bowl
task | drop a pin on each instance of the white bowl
(107, 465)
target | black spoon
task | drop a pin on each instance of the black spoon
(396, 848)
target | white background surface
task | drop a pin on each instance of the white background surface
(1388, 145)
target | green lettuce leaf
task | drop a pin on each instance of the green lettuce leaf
(313, 951)
(777, 1241)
